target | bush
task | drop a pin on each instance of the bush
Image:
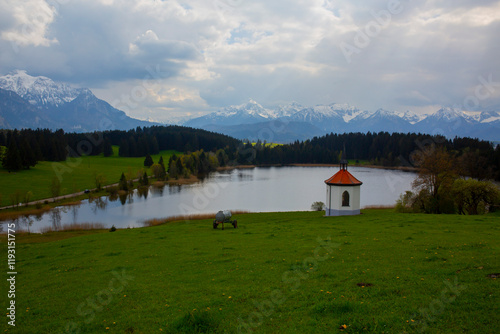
(112, 229)
(318, 206)
(112, 190)
(405, 202)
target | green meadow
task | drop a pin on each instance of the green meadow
(295, 272)
(75, 174)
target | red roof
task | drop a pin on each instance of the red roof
(343, 178)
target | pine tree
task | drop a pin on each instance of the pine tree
(154, 147)
(172, 167)
(124, 150)
(107, 149)
(122, 185)
(148, 162)
(12, 160)
(27, 154)
(145, 180)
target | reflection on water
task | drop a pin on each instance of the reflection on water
(55, 217)
(113, 197)
(74, 211)
(245, 176)
(26, 222)
(174, 189)
(257, 190)
(123, 198)
(157, 189)
(143, 192)
(98, 203)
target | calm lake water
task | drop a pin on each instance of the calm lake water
(256, 190)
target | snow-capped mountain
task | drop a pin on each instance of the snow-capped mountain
(327, 118)
(260, 123)
(380, 120)
(412, 117)
(247, 113)
(39, 102)
(489, 116)
(40, 91)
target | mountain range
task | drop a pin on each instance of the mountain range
(296, 122)
(39, 102)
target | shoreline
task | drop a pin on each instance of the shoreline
(52, 202)
(402, 168)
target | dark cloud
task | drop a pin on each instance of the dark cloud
(223, 52)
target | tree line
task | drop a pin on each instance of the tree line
(24, 148)
(476, 158)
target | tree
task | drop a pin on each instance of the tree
(471, 195)
(12, 160)
(144, 180)
(436, 174)
(155, 148)
(222, 157)
(474, 165)
(27, 197)
(122, 185)
(156, 169)
(107, 149)
(15, 198)
(124, 150)
(28, 157)
(405, 202)
(148, 162)
(172, 167)
(55, 187)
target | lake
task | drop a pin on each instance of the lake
(260, 189)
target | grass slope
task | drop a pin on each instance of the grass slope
(380, 272)
(77, 174)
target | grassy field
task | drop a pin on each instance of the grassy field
(380, 272)
(76, 174)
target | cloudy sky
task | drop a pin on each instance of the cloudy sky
(163, 59)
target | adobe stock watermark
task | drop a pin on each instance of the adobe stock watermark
(372, 29)
(426, 316)
(485, 89)
(292, 280)
(98, 301)
(226, 6)
(139, 93)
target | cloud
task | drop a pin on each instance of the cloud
(219, 52)
(28, 23)
(148, 47)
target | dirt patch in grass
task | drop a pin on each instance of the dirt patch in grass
(361, 284)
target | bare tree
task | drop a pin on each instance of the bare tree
(437, 171)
